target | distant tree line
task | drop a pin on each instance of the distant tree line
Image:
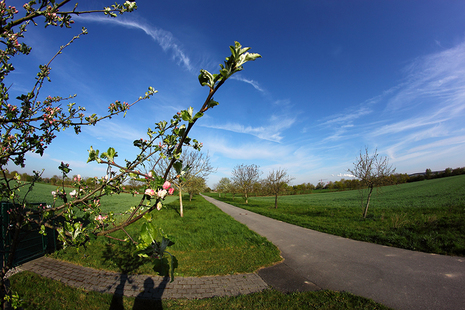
(260, 187)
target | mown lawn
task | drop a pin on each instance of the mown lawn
(39, 293)
(426, 216)
(206, 242)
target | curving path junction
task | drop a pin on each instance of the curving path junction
(401, 279)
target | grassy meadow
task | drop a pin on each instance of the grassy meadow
(426, 216)
(40, 293)
(206, 241)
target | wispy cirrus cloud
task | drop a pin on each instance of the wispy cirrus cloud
(255, 84)
(164, 38)
(271, 132)
(434, 79)
(348, 117)
(340, 124)
(433, 93)
(248, 151)
(112, 130)
(425, 108)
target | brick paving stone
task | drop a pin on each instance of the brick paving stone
(137, 285)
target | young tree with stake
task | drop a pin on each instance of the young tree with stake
(372, 171)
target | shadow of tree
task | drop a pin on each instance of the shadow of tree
(122, 256)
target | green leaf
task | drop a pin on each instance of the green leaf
(198, 115)
(186, 116)
(148, 233)
(212, 103)
(178, 166)
(165, 242)
(110, 154)
(206, 78)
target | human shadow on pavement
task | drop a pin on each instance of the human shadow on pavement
(150, 298)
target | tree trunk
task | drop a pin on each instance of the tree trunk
(181, 211)
(190, 196)
(276, 201)
(246, 198)
(368, 202)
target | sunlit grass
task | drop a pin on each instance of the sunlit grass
(426, 216)
(207, 242)
(40, 293)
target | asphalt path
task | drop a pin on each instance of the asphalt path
(400, 279)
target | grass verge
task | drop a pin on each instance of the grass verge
(54, 295)
(207, 242)
(426, 216)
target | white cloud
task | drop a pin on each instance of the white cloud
(251, 82)
(440, 144)
(435, 79)
(271, 132)
(346, 175)
(248, 151)
(348, 117)
(114, 130)
(164, 38)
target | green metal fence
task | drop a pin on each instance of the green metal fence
(32, 244)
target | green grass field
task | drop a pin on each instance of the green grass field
(207, 242)
(39, 293)
(42, 193)
(426, 216)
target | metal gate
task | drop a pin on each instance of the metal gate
(32, 244)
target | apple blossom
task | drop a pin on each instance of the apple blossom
(162, 193)
(159, 205)
(166, 185)
(100, 218)
(171, 190)
(149, 192)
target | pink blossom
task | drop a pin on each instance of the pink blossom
(170, 191)
(73, 193)
(150, 192)
(166, 185)
(100, 218)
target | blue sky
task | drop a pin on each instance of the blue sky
(335, 77)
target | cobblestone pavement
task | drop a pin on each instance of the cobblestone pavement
(145, 286)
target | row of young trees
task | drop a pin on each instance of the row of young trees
(31, 122)
(225, 185)
(369, 171)
(246, 180)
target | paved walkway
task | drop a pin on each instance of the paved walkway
(397, 278)
(150, 287)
